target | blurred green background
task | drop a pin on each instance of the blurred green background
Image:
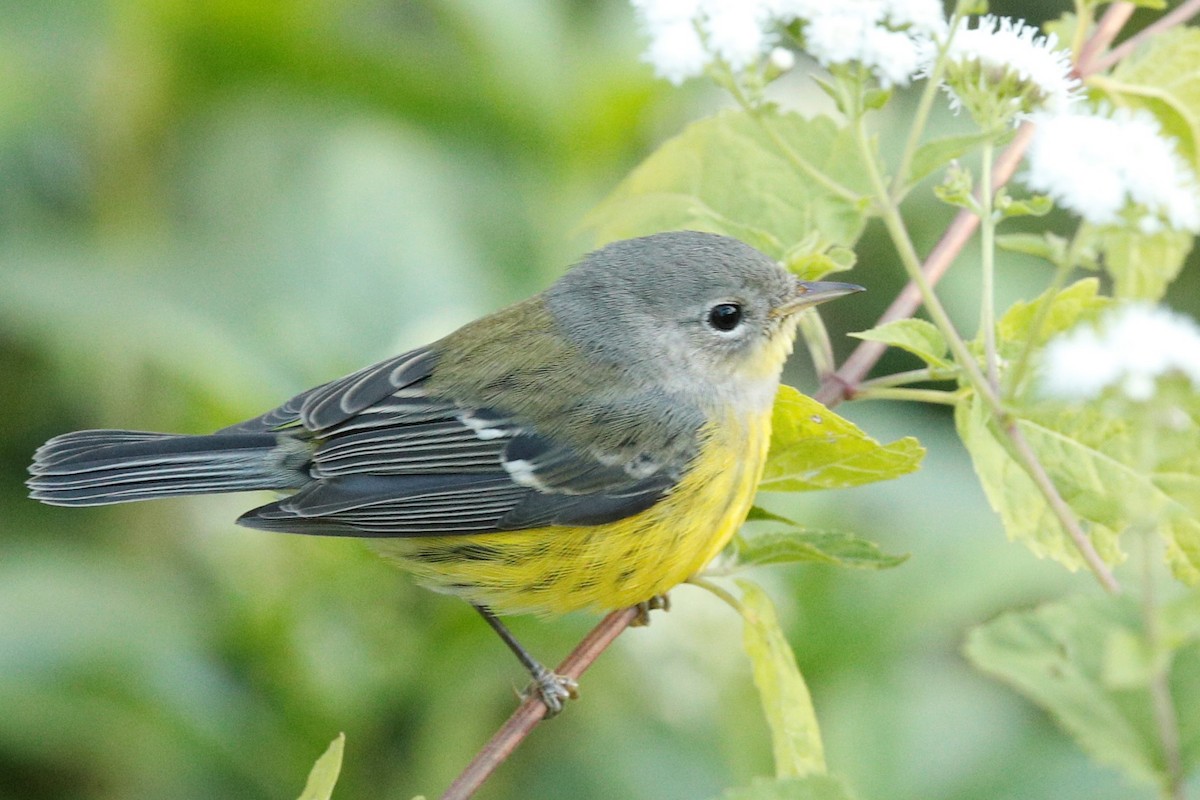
(209, 205)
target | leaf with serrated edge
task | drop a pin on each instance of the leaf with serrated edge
(1093, 458)
(1046, 246)
(1079, 301)
(728, 174)
(1054, 655)
(813, 448)
(916, 336)
(1093, 461)
(937, 153)
(324, 774)
(795, 735)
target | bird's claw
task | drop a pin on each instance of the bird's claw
(553, 689)
(659, 601)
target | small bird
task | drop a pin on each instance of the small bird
(590, 447)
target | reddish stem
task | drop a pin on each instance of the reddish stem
(531, 711)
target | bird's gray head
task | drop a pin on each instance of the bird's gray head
(685, 309)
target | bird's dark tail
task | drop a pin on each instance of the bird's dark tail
(93, 468)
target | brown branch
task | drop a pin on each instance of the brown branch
(1110, 25)
(530, 712)
(1178, 16)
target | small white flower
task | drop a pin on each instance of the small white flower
(781, 59)
(1003, 69)
(838, 37)
(1130, 350)
(886, 36)
(1104, 167)
(686, 35)
(677, 52)
(893, 56)
(925, 16)
(737, 31)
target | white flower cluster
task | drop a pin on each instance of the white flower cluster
(1100, 164)
(1109, 168)
(886, 36)
(1131, 349)
(1006, 62)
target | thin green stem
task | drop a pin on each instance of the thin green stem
(970, 367)
(1061, 273)
(912, 266)
(907, 377)
(922, 113)
(987, 236)
(816, 339)
(937, 396)
(718, 590)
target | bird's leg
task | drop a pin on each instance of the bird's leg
(554, 689)
(659, 601)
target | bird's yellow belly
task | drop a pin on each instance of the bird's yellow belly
(559, 569)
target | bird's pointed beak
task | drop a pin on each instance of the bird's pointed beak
(810, 293)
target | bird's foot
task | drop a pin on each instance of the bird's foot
(659, 601)
(553, 689)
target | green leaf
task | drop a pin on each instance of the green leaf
(1013, 495)
(1038, 205)
(325, 772)
(1163, 77)
(813, 448)
(1142, 265)
(760, 514)
(795, 735)
(1047, 246)
(937, 153)
(814, 266)
(1079, 301)
(1094, 461)
(809, 259)
(955, 189)
(875, 98)
(738, 174)
(1055, 655)
(799, 545)
(1128, 661)
(917, 336)
(811, 787)
(1181, 620)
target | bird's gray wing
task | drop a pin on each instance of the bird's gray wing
(337, 401)
(411, 464)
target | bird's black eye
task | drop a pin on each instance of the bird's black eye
(725, 316)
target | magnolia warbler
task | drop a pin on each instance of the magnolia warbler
(590, 447)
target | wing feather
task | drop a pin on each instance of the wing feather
(392, 459)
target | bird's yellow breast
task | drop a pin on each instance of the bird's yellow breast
(559, 569)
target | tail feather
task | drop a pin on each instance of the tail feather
(89, 468)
